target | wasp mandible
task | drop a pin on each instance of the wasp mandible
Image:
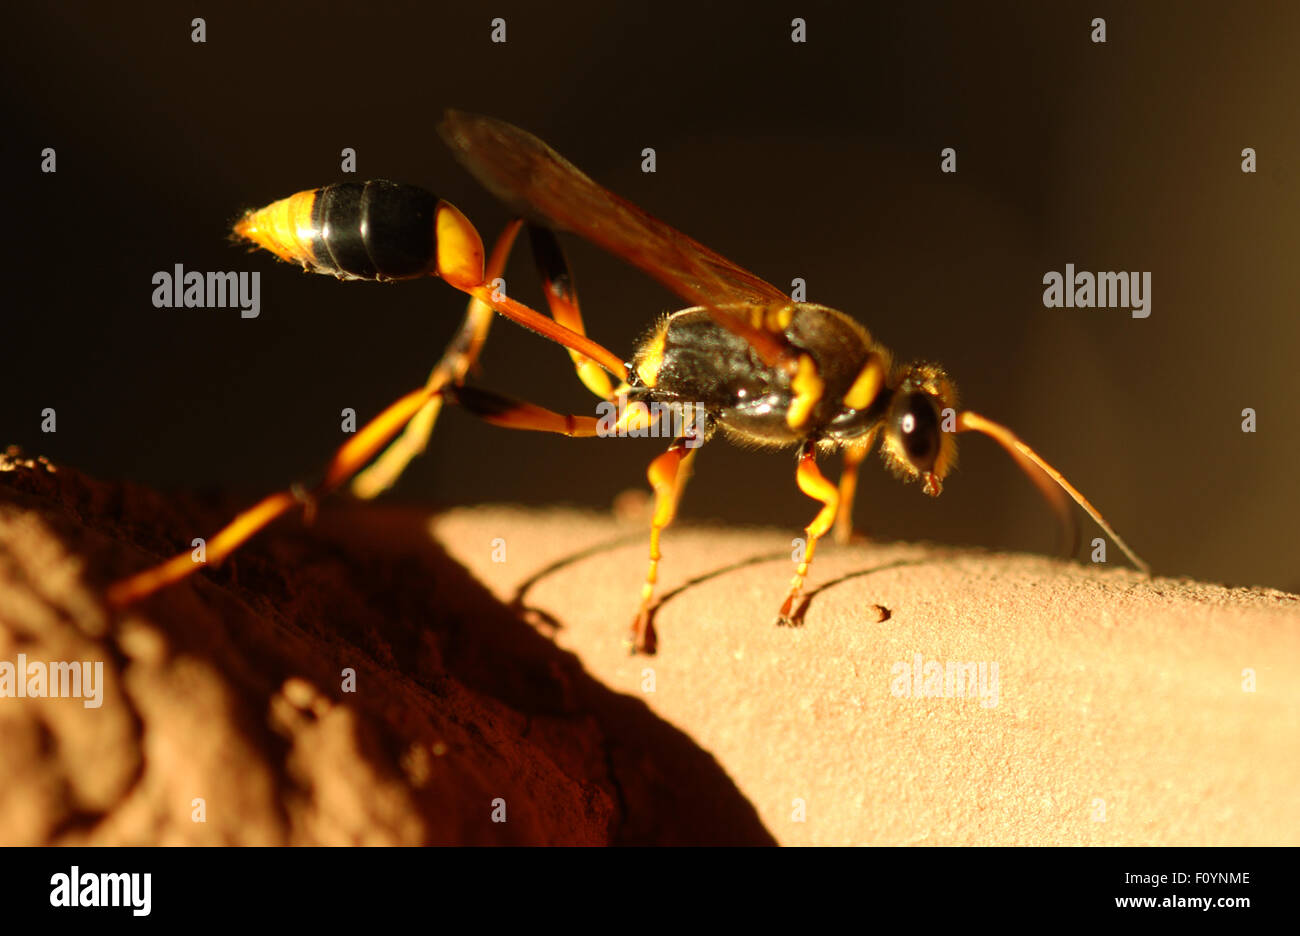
(743, 359)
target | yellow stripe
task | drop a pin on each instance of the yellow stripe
(867, 384)
(808, 388)
(650, 356)
(460, 249)
(283, 227)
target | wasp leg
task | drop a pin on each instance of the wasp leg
(813, 483)
(510, 413)
(459, 262)
(492, 407)
(462, 354)
(849, 488)
(668, 475)
(354, 453)
(459, 358)
(562, 298)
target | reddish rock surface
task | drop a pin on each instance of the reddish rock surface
(228, 689)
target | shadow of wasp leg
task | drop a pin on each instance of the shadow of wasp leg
(853, 458)
(354, 453)
(461, 355)
(562, 299)
(813, 483)
(668, 475)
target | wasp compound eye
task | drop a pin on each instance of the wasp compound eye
(918, 428)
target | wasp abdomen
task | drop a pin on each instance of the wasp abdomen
(374, 230)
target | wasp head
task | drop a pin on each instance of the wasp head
(917, 445)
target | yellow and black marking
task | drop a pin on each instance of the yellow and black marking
(868, 384)
(375, 230)
(808, 388)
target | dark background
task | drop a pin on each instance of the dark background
(817, 160)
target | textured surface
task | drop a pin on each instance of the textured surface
(1118, 698)
(488, 648)
(228, 689)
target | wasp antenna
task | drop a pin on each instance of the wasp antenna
(1056, 498)
(1027, 457)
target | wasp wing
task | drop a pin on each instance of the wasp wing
(544, 187)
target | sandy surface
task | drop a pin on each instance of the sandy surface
(1120, 713)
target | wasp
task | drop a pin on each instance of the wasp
(743, 359)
